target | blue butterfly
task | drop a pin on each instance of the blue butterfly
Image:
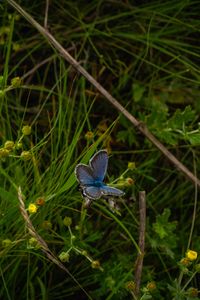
(91, 177)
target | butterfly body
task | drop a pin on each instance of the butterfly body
(91, 177)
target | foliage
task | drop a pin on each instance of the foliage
(145, 54)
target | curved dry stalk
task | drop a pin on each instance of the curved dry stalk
(142, 228)
(41, 242)
(141, 127)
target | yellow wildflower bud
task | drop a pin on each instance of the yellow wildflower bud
(67, 221)
(64, 256)
(192, 292)
(191, 255)
(73, 237)
(185, 261)
(4, 152)
(95, 264)
(129, 181)
(47, 225)
(84, 253)
(26, 155)
(18, 145)
(26, 130)
(16, 47)
(32, 208)
(6, 243)
(89, 135)
(151, 286)
(9, 145)
(33, 243)
(40, 201)
(130, 285)
(16, 81)
(131, 165)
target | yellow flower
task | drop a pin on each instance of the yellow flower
(191, 255)
(32, 208)
(26, 130)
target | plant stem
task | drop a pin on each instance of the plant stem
(139, 261)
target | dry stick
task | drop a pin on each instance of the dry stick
(139, 261)
(141, 127)
(42, 243)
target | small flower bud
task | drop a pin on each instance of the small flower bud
(26, 155)
(18, 145)
(64, 256)
(6, 243)
(40, 201)
(185, 261)
(32, 208)
(191, 255)
(95, 264)
(33, 243)
(130, 285)
(73, 237)
(89, 135)
(131, 165)
(16, 81)
(4, 152)
(47, 225)
(9, 145)
(67, 221)
(151, 286)
(26, 130)
(192, 292)
(84, 253)
(129, 181)
(16, 47)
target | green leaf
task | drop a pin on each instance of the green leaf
(138, 91)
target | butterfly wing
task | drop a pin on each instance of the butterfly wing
(84, 175)
(92, 192)
(111, 191)
(99, 164)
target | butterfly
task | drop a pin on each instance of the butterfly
(91, 178)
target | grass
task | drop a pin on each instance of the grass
(146, 55)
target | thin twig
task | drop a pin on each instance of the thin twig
(140, 126)
(41, 242)
(139, 261)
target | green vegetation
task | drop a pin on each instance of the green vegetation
(146, 54)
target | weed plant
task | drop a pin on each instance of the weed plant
(146, 54)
